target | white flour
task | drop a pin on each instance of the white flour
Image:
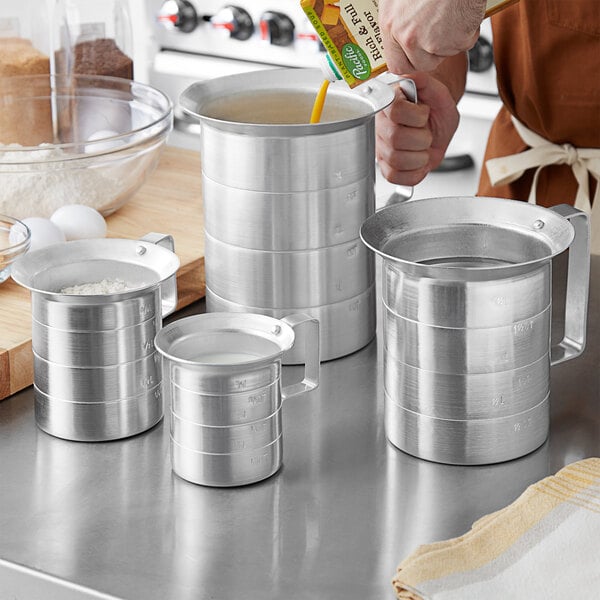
(106, 286)
(39, 188)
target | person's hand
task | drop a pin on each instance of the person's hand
(419, 34)
(411, 139)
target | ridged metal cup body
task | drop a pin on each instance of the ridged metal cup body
(219, 429)
(227, 470)
(97, 383)
(222, 379)
(98, 421)
(467, 441)
(284, 200)
(93, 349)
(228, 439)
(97, 376)
(218, 405)
(467, 306)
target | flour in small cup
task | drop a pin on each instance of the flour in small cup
(106, 286)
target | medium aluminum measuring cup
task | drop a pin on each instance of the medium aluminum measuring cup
(467, 294)
(222, 375)
(96, 373)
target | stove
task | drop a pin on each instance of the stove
(196, 40)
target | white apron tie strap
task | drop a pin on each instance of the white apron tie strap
(542, 153)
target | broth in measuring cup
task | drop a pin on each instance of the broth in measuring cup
(281, 107)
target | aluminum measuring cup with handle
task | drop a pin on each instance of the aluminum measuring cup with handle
(467, 294)
(283, 205)
(222, 376)
(96, 373)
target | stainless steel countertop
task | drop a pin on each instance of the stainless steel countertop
(333, 523)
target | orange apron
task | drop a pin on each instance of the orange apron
(547, 55)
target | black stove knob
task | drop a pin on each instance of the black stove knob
(481, 56)
(235, 20)
(276, 28)
(178, 14)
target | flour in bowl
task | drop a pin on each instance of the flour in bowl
(106, 286)
(37, 189)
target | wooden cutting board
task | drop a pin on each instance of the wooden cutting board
(169, 202)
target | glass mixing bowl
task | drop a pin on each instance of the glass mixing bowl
(77, 140)
(14, 241)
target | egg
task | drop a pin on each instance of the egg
(108, 142)
(79, 222)
(43, 233)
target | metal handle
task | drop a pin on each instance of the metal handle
(402, 193)
(578, 281)
(168, 288)
(311, 355)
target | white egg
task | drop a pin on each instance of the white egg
(43, 232)
(102, 146)
(79, 222)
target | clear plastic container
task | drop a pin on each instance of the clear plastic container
(24, 38)
(93, 37)
(24, 51)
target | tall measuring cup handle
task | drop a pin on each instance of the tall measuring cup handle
(312, 362)
(578, 281)
(168, 288)
(402, 193)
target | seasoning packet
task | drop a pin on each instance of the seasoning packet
(350, 32)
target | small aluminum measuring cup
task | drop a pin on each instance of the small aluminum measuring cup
(222, 375)
(96, 373)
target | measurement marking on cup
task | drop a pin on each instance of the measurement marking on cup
(523, 381)
(259, 459)
(523, 328)
(148, 345)
(257, 398)
(239, 383)
(522, 425)
(146, 309)
(147, 382)
(354, 306)
(498, 401)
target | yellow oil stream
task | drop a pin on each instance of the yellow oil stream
(317, 110)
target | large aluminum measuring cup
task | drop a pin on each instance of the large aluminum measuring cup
(222, 375)
(284, 200)
(96, 373)
(467, 294)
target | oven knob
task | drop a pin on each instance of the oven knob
(178, 14)
(276, 28)
(481, 56)
(235, 20)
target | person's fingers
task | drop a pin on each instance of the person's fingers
(399, 177)
(402, 137)
(405, 112)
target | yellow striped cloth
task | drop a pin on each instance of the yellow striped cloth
(545, 545)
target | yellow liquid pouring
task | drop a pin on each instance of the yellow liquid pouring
(317, 110)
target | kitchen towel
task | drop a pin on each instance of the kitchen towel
(545, 545)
